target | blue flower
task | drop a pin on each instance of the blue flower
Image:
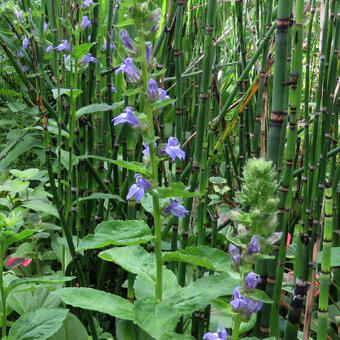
(152, 88)
(146, 151)
(63, 46)
(138, 188)
(85, 22)
(87, 3)
(235, 254)
(19, 15)
(176, 209)
(49, 48)
(128, 68)
(25, 42)
(173, 150)
(113, 89)
(148, 51)
(126, 117)
(221, 334)
(254, 245)
(127, 41)
(244, 305)
(112, 46)
(156, 16)
(20, 54)
(46, 26)
(251, 280)
(88, 59)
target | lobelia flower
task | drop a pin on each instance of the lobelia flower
(128, 68)
(25, 43)
(146, 151)
(126, 117)
(243, 304)
(20, 54)
(87, 3)
(173, 150)
(63, 46)
(113, 89)
(156, 16)
(112, 46)
(148, 51)
(251, 280)
(252, 307)
(49, 48)
(15, 37)
(138, 188)
(19, 15)
(88, 59)
(25, 68)
(85, 22)
(152, 88)
(127, 41)
(235, 254)
(254, 245)
(176, 209)
(221, 334)
(46, 26)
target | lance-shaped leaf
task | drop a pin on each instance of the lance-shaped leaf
(134, 166)
(175, 190)
(97, 108)
(118, 233)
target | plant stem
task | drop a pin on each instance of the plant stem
(237, 324)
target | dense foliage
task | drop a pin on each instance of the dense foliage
(169, 169)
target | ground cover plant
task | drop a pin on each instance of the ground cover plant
(169, 170)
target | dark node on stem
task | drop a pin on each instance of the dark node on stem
(175, 227)
(305, 239)
(282, 24)
(271, 280)
(185, 234)
(179, 111)
(73, 189)
(284, 188)
(208, 29)
(106, 181)
(204, 96)
(177, 53)
(264, 330)
(276, 118)
(74, 209)
(178, 170)
(98, 219)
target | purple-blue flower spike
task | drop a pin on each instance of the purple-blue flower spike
(46, 26)
(221, 334)
(146, 151)
(85, 22)
(251, 280)
(87, 3)
(239, 302)
(176, 209)
(253, 306)
(156, 16)
(138, 188)
(88, 59)
(25, 42)
(63, 46)
(152, 88)
(173, 150)
(254, 245)
(148, 51)
(127, 41)
(49, 48)
(19, 15)
(20, 54)
(128, 68)
(235, 254)
(126, 117)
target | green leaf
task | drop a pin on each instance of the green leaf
(67, 92)
(100, 196)
(41, 206)
(74, 328)
(154, 317)
(134, 259)
(163, 103)
(124, 23)
(12, 238)
(134, 166)
(52, 279)
(176, 336)
(118, 233)
(97, 108)
(335, 257)
(61, 249)
(203, 256)
(26, 174)
(38, 325)
(217, 180)
(97, 300)
(175, 190)
(80, 50)
(127, 330)
(259, 295)
(132, 92)
(14, 186)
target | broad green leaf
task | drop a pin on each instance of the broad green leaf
(14, 186)
(61, 249)
(175, 190)
(335, 257)
(127, 330)
(101, 196)
(176, 336)
(147, 202)
(52, 279)
(80, 50)
(38, 325)
(97, 108)
(118, 233)
(26, 300)
(12, 238)
(76, 92)
(132, 92)
(217, 180)
(134, 166)
(75, 330)
(42, 207)
(259, 295)
(163, 103)
(134, 259)
(203, 256)
(154, 317)
(97, 300)
(26, 174)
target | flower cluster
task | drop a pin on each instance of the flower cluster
(253, 248)
(221, 334)
(155, 92)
